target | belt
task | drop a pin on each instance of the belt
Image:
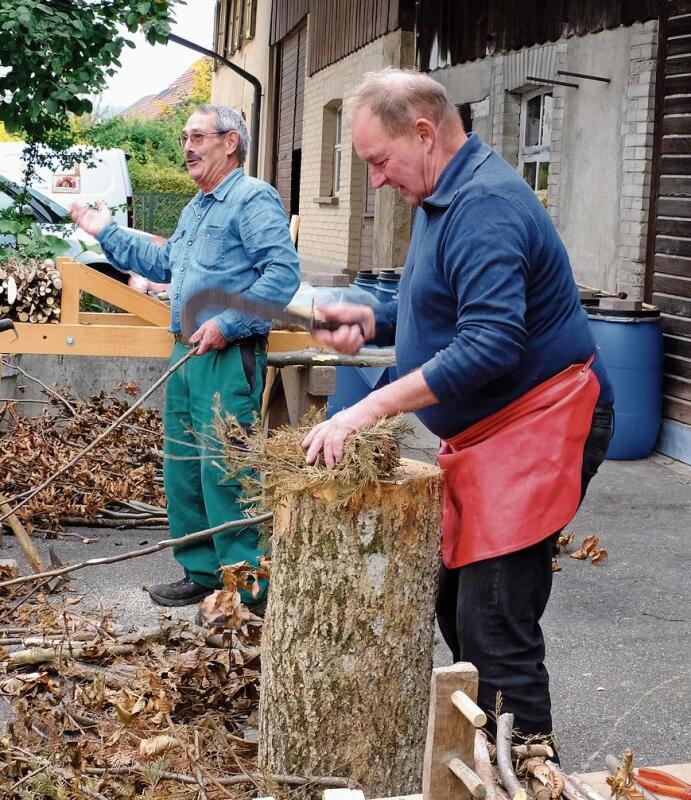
(254, 339)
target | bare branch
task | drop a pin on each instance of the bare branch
(198, 536)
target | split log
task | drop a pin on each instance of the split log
(347, 640)
(483, 765)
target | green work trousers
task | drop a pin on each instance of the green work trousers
(199, 493)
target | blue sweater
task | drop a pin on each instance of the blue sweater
(488, 305)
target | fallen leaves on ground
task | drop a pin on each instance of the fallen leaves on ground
(146, 723)
(590, 549)
(123, 471)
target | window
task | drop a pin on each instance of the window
(237, 21)
(338, 147)
(250, 19)
(536, 133)
(330, 172)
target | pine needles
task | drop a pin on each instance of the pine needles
(272, 468)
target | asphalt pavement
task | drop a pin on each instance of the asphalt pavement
(617, 632)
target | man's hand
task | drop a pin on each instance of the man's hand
(209, 337)
(349, 337)
(91, 220)
(330, 435)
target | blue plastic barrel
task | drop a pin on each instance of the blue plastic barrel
(355, 383)
(631, 346)
(367, 280)
(387, 284)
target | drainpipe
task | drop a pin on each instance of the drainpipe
(256, 103)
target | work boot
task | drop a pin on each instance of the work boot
(184, 592)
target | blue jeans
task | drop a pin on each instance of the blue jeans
(489, 613)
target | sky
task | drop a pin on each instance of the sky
(148, 69)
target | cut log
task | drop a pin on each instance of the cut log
(347, 640)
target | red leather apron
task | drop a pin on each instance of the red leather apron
(514, 478)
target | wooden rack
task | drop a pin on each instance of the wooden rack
(139, 329)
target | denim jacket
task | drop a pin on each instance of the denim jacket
(234, 238)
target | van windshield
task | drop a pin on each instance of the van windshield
(47, 209)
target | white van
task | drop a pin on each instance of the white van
(107, 180)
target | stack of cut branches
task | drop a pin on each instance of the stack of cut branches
(117, 484)
(529, 772)
(30, 291)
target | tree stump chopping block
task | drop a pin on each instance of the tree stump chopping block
(347, 641)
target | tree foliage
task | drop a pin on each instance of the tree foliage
(54, 52)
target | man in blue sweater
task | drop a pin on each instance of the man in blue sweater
(497, 359)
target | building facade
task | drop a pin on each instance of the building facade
(588, 101)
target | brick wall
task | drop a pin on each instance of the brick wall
(330, 227)
(637, 133)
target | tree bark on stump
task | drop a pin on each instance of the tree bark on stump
(347, 640)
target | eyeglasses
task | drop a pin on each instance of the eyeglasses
(198, 138)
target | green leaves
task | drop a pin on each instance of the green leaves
(55, 54)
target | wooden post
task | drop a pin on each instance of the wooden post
(450, 735)
(347, 640)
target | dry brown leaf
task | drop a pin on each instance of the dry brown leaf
(599, 555)
(157, 745)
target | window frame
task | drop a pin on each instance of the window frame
(540, 153)
(337, 152)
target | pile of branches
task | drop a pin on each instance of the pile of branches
(98, 712)
(30, 290)
(274, 467)
(118, 483)
(504, 771)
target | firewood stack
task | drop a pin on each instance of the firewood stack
(30, 291)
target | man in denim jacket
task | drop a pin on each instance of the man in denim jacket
(233, 235)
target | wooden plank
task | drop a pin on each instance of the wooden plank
(675, 187)
(671, 226)
(96, 318)
(666, 284)
(678, 66)
(69, 296)
(121, 296)
(91, 340)
(677, 104)
(678, 306)
(449, 733)
(679, 46)
(677, 326)
(679, 367)
(677, 346)
(676, 125)
(671, 265)
(674, 207)
(680, 145)
(677, 387)
(679, 26)
(677, 84)
(675, 165)
(679, 410)
(122, 340)
(673, 246)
